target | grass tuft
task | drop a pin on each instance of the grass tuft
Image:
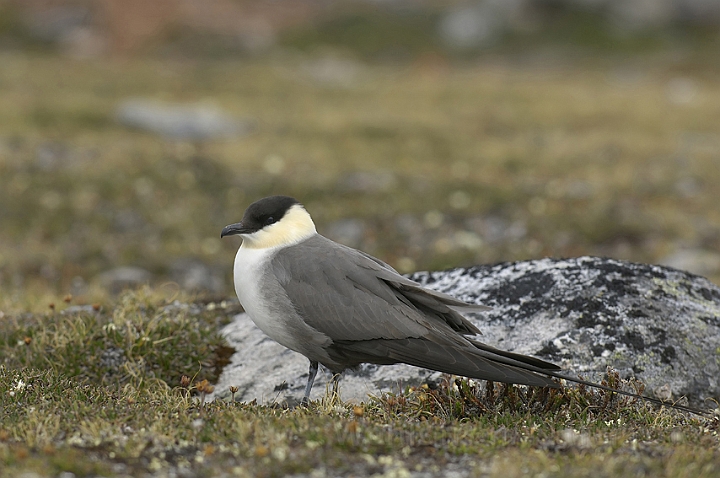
(138, 340)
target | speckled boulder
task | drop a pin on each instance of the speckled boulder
(658, 324)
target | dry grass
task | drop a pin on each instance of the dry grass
(66, 408)
(608, 158)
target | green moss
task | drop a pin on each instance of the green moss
(138, 341)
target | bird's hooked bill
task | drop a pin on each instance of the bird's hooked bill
(234, 229)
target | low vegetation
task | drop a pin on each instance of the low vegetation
(427, 165)
(119, 390)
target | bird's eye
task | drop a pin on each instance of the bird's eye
(269, 220)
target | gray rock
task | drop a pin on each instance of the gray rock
(481, 23)
(655, 323)
(192, 122)
(268, 372)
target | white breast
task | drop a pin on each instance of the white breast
(250, 265)
(269, 307)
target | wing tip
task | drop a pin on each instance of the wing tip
(470, 308)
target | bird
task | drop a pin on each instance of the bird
(341, 307)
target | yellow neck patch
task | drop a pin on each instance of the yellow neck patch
(295, 226)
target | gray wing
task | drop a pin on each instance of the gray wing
(373, 314)
(362, 298)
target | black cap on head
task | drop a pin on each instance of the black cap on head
(261, 213)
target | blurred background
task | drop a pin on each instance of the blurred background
(431, 134)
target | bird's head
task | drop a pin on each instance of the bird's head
(271, 222)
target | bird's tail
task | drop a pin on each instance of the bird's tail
(657, 401)
(549, 369)
(479, 362)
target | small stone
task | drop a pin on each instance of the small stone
(191, 122)
(481, 24)
(663, 392)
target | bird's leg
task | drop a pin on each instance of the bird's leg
(336, 386)
(311, 379)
